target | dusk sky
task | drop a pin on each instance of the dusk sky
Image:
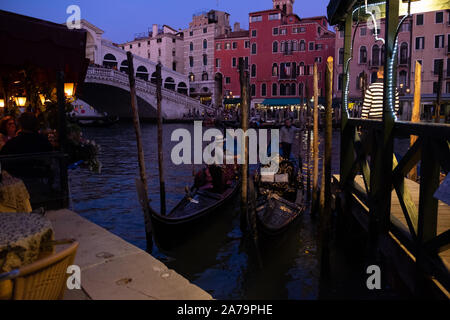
(122, 19)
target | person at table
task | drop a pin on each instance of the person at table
(28, 139)
(8, 130)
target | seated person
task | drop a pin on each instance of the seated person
(203, 179)
(8, 130)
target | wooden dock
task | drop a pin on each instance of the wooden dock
(361, 214)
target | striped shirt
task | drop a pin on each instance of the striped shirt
(373, 101)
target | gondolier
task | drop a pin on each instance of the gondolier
(287, 136)
(373, 99)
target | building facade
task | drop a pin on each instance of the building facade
(424, 38)
(163, 44)
(199, 60)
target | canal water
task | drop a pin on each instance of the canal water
(219, 259)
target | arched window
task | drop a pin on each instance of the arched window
(191, 77)
(253, 71)
(274, 90)
(282, 90)
(205, 44)
(253, 48)
(341, 56)
(402, 77)
(124, 66)
(169, 83)
(301, 69)
(300, 89)
(362, 55)
(191, 46)
(375, 55)
(283, 46)
(275, 70)
(294, 46)
(302, 46)
(191, 61)
(404, 53)
(110, 61)
(205, 76)
(253, 89)
(275, 47)
(293, 89)
(205, 60)
(142, 73)
(263, 90)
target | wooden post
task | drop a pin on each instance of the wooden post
(415, 117)
(438, 94)
(244, 82)
(315, 193)
(162, 185)
(308, 146)
(137, 128)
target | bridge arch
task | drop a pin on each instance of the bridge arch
(142, 73)
(124, 66)
(109, 61)
(169, 83)
(182, 88)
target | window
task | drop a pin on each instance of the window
(275, 31)
(404, 53)
(300, 89)
(274, 90)
(447, 87)
(301, 69)
(227, 46)
(263, 90)
(217, 63)
(159, 52)
(218, 46)
(275, 47)
(256, 19)
(234, 45)
(173, 40)
(302, 46)
(405, 27)
(174, 53)
(319, 46)
(439, 41)
(191, 77)
(274, 70)
(191, 33)
(131, 46)
(253, 72)
(205, 60)
(205, 30)
(174, 66)
(253, 48)
(448, 67)
(205, 76)
(363, 31)
(253, 90)
(159, 40)
(247, 44)
(318, 60)
(419, 20)
(341, 34)
(191, 61)
(191, 46)
(438, 64)
(282, 90)
(402, 78)
(420, 43)
(283, 31)
(439, 17)
(296, 30)
(435, 87)
(139, 45)
(227, 80)
(311, 46)
(294, 46)
(205, 44)
(375, 55)
(254, 33)
(274, 16)
(340, 82)
(148, 42)
(234, 62)
(246, 63)
(362, 55)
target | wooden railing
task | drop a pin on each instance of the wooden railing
(362, 153)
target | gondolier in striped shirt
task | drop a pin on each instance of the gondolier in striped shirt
(373, 99)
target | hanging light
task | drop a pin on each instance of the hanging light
(68, 89)
(42, 97)
(2, 103)
(20, 101)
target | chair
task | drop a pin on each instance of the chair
(45, 279)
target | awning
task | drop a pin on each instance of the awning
(282, 102)
(232, 101)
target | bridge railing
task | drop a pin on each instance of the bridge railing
(363, 141)
(142, 85)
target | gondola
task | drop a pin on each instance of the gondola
(191, 214)
(278, 200)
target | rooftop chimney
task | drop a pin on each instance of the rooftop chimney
(237, 26)
(155, 30)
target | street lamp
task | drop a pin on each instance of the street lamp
(2, 103)
(69, 89)
(20, 101)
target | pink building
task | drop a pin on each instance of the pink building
(424, 38)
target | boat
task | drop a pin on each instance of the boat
(279, 198)
(97, 122)
(190, 214)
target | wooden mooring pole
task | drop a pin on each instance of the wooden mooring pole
(244, 82)
(308, 147)
(415, 116)
(325, 218)
(315, 194)
(142, 184)
(162, 185)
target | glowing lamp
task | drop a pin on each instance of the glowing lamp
(2, 103)
(68, 89)
(42, 97)
(20, 101)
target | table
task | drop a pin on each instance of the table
(22, 239)
(14, 196)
